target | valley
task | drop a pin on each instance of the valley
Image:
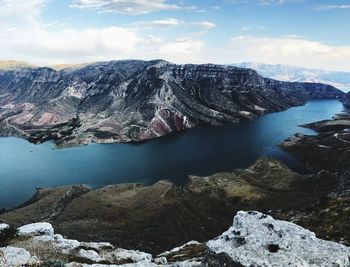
(304, 181)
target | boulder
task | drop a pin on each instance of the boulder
(41, 228)
(256, 239)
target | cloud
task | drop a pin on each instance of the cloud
(171, 22)
(269, 2)
(278, 2)
(20, 13)
(287, 50)
(69, 45)
(129, 7)
(24, 37)
(333, 7)
(246, 28)
(27, 38)
(205, 25)
(165, 23)
(182, 50)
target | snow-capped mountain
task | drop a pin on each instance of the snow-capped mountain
(338, 79)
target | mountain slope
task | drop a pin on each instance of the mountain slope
(121, 101)
(289, 73)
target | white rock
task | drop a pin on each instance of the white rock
(90, 255)
(58, 241)
(188, 263)
(256, 239)
(33, 261)
(41, 228)
(134, 255)
(3, 226)
(161, 260)
(13, 257)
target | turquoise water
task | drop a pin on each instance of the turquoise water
(198, 151)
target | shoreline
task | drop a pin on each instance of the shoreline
(93, 139)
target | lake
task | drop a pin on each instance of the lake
(198, 151)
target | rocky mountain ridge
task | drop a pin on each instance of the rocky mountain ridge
(123, 101)
(254, 239)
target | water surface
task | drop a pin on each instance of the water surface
(198, 151)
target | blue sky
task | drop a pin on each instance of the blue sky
(308, 33)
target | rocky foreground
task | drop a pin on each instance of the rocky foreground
(124, 101)
(254, 239)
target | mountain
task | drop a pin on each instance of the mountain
(122, 101)
(289, 73)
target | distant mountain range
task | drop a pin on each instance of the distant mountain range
(132, 100)
(13, 64)
(338, 79)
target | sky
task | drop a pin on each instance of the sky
(308, 33)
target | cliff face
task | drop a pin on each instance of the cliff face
(138, 100)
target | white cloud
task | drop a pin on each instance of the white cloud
(171, 22)
(20, 13)
(286, 50)
(278, 2)
(165, 23)
(24, 37)
(130, 7)
(246, 28)
(69, 45)
(269, 2)
(205, 25)
(333, 7)
(183, 50)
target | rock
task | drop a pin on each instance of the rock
(256, 239)
(91, 255)
(138, 264)
(3, 226)
(65, 245)
(36, 229)
(13, 256)
(131, 255)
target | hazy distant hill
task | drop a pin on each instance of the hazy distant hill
(67, 66)
(289, 73)
(13, 64)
